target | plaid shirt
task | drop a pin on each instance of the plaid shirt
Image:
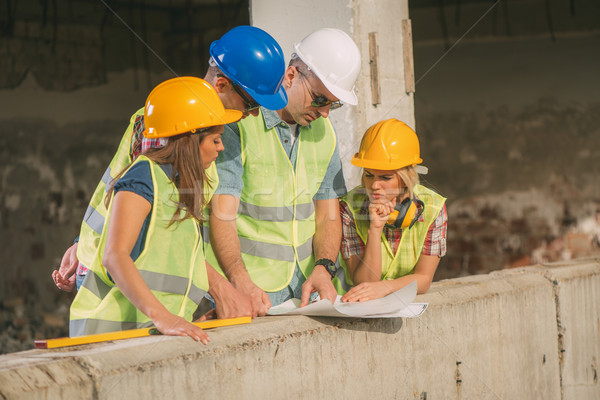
(139, 144)
(352, 244)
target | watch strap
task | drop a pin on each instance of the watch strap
(328, 264)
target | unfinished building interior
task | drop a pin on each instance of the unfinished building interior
(504, 95)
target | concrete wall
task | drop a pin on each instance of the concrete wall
(508, 113)
(532, 333)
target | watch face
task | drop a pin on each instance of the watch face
(329, 266)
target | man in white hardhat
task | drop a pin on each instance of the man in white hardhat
(276, 209)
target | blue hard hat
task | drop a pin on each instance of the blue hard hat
(252, 59)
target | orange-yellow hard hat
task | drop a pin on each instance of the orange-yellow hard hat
(388, 145)
(182, 105)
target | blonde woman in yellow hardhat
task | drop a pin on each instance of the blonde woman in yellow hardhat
(393, 228)
(149, 268)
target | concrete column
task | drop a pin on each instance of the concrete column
(289, 22)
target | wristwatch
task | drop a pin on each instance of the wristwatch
(329, 266)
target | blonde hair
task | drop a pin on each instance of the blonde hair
(409, 176)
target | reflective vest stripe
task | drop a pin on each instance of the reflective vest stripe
(205, 235)
(305, 211)
(96, 285)
(305, 250)
(267, 250)
(79, 327)
(275, 251)
(278, 214)
(171, 284)
(94, 219)
(154, 280)
(196, 294)
(271, 251)
(107, 178)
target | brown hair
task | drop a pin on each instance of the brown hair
(183, 152)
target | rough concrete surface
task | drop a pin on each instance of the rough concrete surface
(508, 120)
(485, 337)
(579, 317)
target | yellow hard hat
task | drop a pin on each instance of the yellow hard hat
(182, 105)
(388, 145)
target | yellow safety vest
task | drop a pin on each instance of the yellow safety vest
(276, 216)
(172, 264)
(93, 221)
(411, 243)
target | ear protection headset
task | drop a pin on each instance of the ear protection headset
(406, 213)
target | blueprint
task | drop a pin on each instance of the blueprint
(394, 305)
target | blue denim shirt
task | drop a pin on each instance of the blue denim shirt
(230, 168)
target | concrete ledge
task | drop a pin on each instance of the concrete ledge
(577, 295)
(578, 309)
(488, 336)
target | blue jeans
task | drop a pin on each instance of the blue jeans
(292, 291)
(79, 280)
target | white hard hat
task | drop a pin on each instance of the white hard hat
(334, 58)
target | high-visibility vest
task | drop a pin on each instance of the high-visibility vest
(93, 220)
(171, 263)
(411, 243)
(276, 216)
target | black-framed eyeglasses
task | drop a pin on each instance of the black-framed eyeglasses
(249, 102)
(319, 101)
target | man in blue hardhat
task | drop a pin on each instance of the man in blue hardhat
(246, 68)
(275, 227)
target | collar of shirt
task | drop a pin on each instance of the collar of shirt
(272, 119)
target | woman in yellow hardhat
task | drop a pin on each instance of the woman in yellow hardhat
(393, 228)
(149, 267)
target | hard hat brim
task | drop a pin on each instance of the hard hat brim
(228, 117)
(347, 97)
(231, 116)
(276, 101)
(381, 165)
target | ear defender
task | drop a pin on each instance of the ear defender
(406, 213)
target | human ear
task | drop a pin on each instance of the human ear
(221, 84)
(290, 74)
